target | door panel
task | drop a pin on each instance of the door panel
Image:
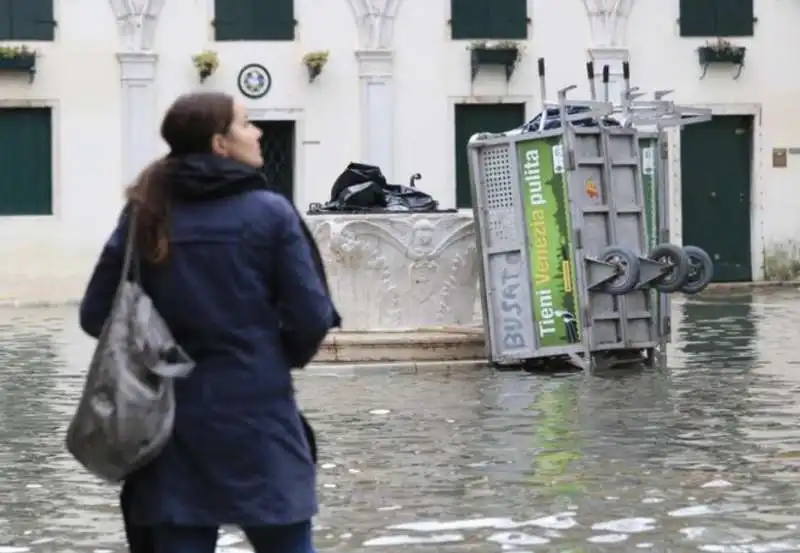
(26, 158)
(474, 118)
(277, 146)
(716, 162)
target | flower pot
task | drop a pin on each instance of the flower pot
(21, 62)
(205, 72)
(507, 57)
(495, 56)
(313, 71)
(733, 55)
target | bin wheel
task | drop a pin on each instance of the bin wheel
(701, 270)
(673, 279)
(627, 264)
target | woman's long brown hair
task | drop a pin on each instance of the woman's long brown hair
(149, 199)
(187, 128)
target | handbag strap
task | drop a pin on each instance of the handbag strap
(131, 259)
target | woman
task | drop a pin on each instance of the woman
(228, 267)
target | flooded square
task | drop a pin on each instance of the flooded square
(702, 457)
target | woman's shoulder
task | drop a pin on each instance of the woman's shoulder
(269, 212)
(266, 201)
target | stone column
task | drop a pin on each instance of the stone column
(377, 109)
(137, 21)
(139, 111)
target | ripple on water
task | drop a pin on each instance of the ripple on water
(704, 458)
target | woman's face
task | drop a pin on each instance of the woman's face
(241, 142)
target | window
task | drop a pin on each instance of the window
(489, 19)
(254, 20)
(27, 20)
(716, 18)
(26, 181)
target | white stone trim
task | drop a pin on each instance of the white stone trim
(375, 21)
(757, 187)
(137, 66)
(448, 198)
(377, 108)
(137, 21)
(55, 153)
(298, 115)
(608, 54)
(119, 8)
(139, 111)
(608, 21)
(375, 63)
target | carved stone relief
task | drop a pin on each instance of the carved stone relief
(400, 272)
(375, 21)
(608, 20)
(137, 21)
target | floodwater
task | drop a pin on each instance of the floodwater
(703, 457)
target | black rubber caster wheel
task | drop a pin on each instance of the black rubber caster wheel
(627, 263)
(701, 270)
(678, 260)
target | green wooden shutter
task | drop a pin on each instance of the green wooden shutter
(32, 20)
(254, 20)
(468, 19)
(489, 19)
(698, 18)
(26, 182)
(273, 19)
(232, 19)
(5, 20)
(508, 20)
(734, 18)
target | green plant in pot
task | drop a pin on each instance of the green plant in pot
(315, 62)
(505, 53)
(206, 63)
(721, 51)
(17, 57)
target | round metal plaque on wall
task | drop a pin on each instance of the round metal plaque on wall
(254, 81)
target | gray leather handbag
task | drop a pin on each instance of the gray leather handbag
(127, 410)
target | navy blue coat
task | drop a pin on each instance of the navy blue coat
(242, 296)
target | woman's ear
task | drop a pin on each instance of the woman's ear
(218, 145)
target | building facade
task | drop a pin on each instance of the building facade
(399, 90)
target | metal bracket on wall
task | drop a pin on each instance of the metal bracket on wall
(739, 69)
(732, 55)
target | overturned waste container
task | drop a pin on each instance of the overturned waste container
(574, 266)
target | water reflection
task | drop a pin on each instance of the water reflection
(46, 498)
(719, 331)
(703, 457)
